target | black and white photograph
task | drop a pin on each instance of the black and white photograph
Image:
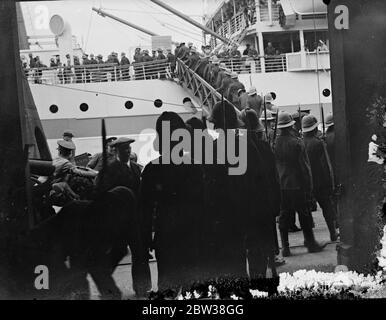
(193, 150)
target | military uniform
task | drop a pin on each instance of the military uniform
(233, 91)
(323, 180)
(295, 182)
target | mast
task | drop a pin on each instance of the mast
(190, 20)
(132, 25)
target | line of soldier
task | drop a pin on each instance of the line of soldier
(201, 222)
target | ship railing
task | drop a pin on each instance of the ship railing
(257, 64)
(277, 63)
(243, 65)
(233, 25)
(158, 69)
(201, 89)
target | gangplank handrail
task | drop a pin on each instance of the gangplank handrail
(201, 89)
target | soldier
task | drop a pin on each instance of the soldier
(172, 61)
(233, 90)
(101, 75)
(86, 71)
(96, 162)
(268, 103)
(322, 175)
(226, 194)
(220, 76)
(170, 198)
(270, 126)
(125, 66)
(78, 71)
(67, 70)
(183, 52)
(254, 101)
(243, 98)
(161, 65)
(114, 60)
(193, 58)
(330, 138)
(67, 136)
(295, 183)
(148, 67)
(226, 82)
(214, 70)
(92, 59)
(262, 187)
(122, 172)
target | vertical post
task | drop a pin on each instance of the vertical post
(292, 42)
(270, 12)
(234, 7)
(12, 132)
(258, 13)
(261, 51)
(302, 49)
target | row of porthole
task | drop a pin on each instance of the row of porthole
(84, 106)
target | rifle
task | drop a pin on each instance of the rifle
(300, 119)
(275, 131)
(265, 120)
(324, 126)
(104, 155)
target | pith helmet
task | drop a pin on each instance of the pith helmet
(329, 120)
(309, 123)
(69, 145)
(227, 113)
(252, 91)
(285, 120)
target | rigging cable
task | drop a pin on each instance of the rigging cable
(317, 58)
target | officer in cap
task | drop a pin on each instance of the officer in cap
(254, 101)
(120, 171)
(170, 191)
(96, 162)
(63, 165)
(322, 175)
(295, 182)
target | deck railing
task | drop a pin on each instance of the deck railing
(158, 69)
(256, 64)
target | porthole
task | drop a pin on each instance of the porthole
(54, 108)
(129, 104)
(83, 107)
(158, 103)
(273, 95)
(186, 99)
(326, 92)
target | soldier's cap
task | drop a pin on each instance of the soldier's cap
(228, 72)
(248, 44)
(123, 54)
(69, 145)
(114, 54)
(268, 97)
(99, 56)
(252, 91)
(329, 120)
(68, 133)
(111, 139)
(193, 49)
(145, 51)
(67, 55)
(85, 55)
(234, 75)
(269, 116)
(190, 44)
(159, 50)
(231, 119)
(122, 141)
(223, 66)
(285, 120)
(240, 90)
(309, 123)
(91, 55)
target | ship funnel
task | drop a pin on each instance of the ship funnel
(57, 25)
